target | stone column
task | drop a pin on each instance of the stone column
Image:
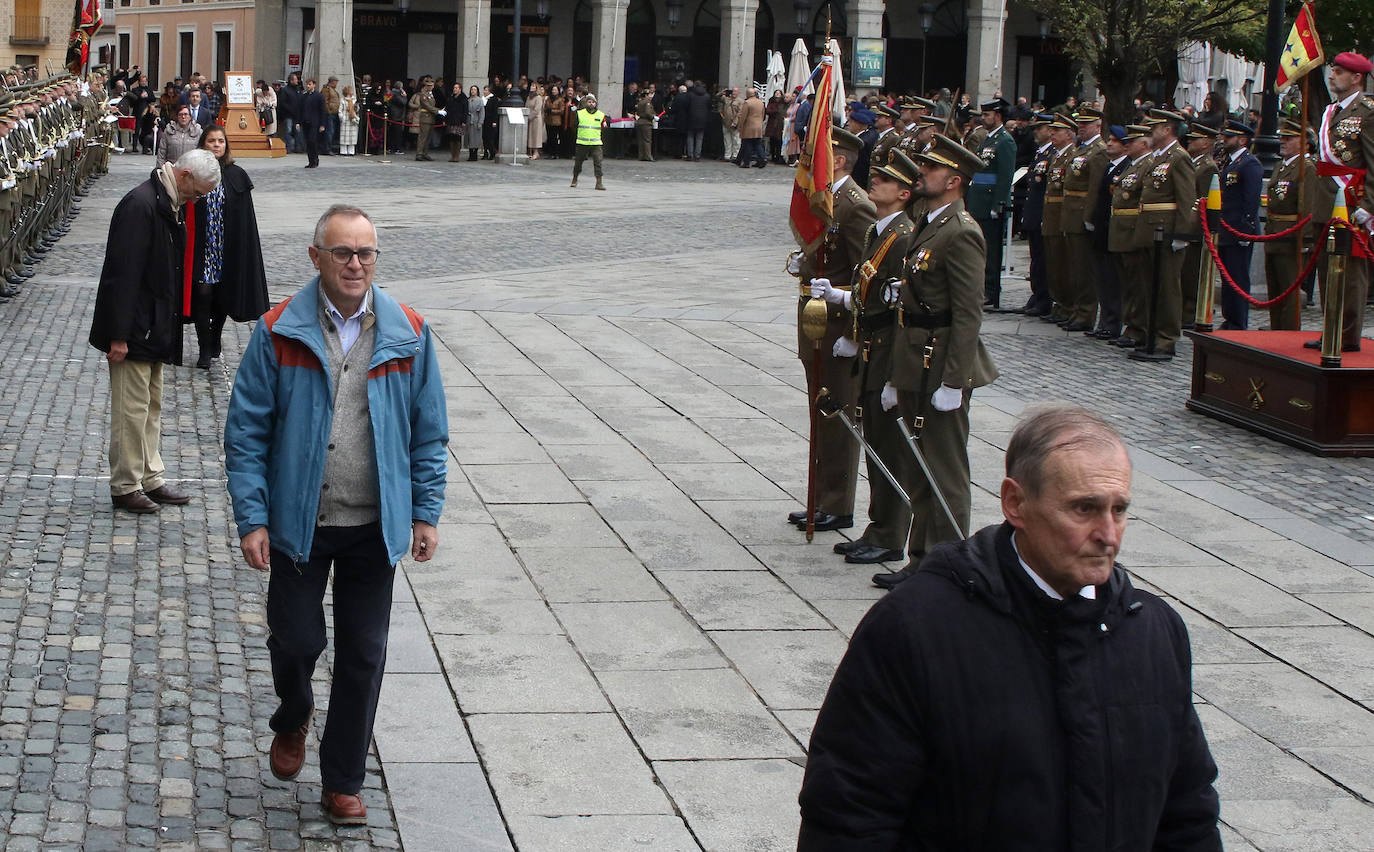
(983, 67)
(474, 42)
(269, 40)
(737, 42)
(608, 54)
(867, 17)
(334, 41)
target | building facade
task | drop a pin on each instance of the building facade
(178, 38)
(961, 45)
(35, 32)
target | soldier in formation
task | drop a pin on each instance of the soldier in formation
(989, 196)
(55, 140)
(1294, 191)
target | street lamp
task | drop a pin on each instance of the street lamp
(803, 8)
(541, 8)
(674, 13)
(927, 21)
(1044, 23)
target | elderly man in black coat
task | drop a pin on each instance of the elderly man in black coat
(138, 316)
(1018, 693)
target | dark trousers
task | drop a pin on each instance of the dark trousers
(1108, 293)
(751, 152)
(1039, 283)
(992, 264)
(1234, 308)
(312, 148)
(362, 616)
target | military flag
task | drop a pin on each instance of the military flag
(1302, 53)
(813, 199)
(85, 24)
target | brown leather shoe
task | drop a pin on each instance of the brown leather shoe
(343, 808)
(135, 501)
(288, 752)
(168, 494)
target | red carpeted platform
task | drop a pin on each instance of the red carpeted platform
(1265, 381)
(1289, 345)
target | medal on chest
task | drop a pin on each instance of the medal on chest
(1159, 175)
(920, 261)
(1348, 127)
(1280, 190)
(1078, 164)
(1232, 178)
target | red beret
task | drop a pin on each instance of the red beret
(1353, 62)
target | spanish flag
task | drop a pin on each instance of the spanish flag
(813, 201)
(1302, 53)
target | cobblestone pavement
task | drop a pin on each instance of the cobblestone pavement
(619, 645)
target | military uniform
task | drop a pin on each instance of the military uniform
(1205, 168)
(1242, 178)
(1130, 260)
(989, 200)
(425, 110)
(1084, 170)
(937, 344)
(1104, 170)
(1168, 201)
(1292, 193)
(837, 256)
(1056, 247)
(1346, 159)
(887, 139)
(1032, 217)
(644, 128)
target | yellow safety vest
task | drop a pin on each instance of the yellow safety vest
(589, 127)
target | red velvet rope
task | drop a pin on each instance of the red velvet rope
(1226, 276)
(1264, 238)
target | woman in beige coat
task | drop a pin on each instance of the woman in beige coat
(535, 105)
(179, 136)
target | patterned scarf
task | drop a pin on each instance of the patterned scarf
(214, 234)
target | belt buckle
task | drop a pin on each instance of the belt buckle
(919, 422)
(929, 353)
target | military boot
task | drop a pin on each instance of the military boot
(599, 184)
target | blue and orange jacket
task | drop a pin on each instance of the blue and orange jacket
(277, 432)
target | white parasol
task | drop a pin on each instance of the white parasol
(799, 68)
(776, 77)
(839, 102)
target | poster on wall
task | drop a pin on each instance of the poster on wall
(870, 59)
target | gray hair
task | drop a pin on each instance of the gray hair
(1050, 429)
(201, 164)
(338, 210)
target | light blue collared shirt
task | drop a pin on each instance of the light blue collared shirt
(348, 327)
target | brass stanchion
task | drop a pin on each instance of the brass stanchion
(386, 149)
(1337, 249)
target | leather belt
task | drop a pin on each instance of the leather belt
(1075, 193)
(1158, 207)
(929, 322)
(1126, 211)
(876, 320)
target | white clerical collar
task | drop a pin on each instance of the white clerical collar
(885, 221)
(1088, 592)
(930, 217)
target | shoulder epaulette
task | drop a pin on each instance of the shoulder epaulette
(964, 215)
(1368, 102)
(905, 228)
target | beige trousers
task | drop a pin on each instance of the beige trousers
(135, 431)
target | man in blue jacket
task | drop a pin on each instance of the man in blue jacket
(335, 450)
(1241, 177)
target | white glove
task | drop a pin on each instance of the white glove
(892, 291)
(1089, 227)
(1244, 244)
(827, 60)
(1179, 245)
(889, 397)
(821, 289)
(994, 214)
(845, 348)
(947, 398)
(1361, 216)
(794, 263)
(442, 112)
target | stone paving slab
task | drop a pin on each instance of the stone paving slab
(655, 615)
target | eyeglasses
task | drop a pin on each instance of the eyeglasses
(343, 255)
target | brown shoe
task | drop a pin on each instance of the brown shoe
(136, 502)
(168, 494)
(344, 809)
(288, 752)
